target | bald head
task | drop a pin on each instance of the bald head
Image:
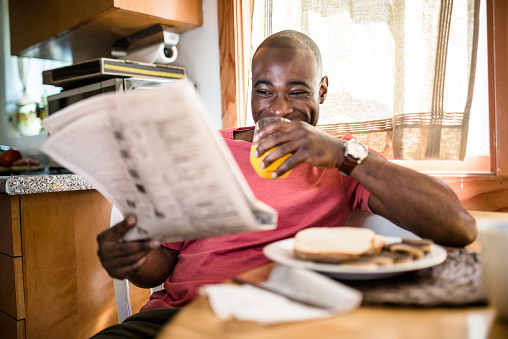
(293, 39)
(286, 78)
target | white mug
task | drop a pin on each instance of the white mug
(493, 236)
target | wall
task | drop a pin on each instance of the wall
(198, 52)
(4, 42)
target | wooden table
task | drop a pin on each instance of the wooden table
(198, 321)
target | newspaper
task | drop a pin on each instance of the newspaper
(153, 153)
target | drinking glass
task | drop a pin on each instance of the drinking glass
(266, 172)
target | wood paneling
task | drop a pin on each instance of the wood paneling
(58, 286)
(188, 11)
(497, 32)
(62, 271)
(227, 63)
(76, 31)
(481, 193)
(10, 230)
(11, 328)
(234, 46)
(11, 291)
(57, 276)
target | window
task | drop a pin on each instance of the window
(20, 125)
(477, 158)
(384, 97)
(477, 191)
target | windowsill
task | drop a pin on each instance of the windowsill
(471, 166)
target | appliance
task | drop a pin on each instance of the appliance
(94, 77)
(92, 71)
(67, 97)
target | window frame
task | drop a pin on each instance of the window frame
(477, 191)
(497, 44)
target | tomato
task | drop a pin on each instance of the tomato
(8, 157)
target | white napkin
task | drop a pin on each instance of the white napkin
(245, 302)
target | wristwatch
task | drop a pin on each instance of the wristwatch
(354, 153)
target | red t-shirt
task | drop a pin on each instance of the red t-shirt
(308, 197)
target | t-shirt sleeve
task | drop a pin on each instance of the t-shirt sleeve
(361, 200)
(177, 246)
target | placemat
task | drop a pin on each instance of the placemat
(455, 282)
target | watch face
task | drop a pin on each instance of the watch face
(357, 150)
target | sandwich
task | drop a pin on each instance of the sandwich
(355, 246)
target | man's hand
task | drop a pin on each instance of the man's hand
(305, 142)
(123, 259)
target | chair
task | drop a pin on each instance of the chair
(378, 224)
(122, 296)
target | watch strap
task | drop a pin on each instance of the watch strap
(347, 166)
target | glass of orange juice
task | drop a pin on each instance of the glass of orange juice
(266, 172)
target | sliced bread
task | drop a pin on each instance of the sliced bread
(334, 244)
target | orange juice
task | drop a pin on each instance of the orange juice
(266, 173)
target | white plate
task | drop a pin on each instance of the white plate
(282, 252)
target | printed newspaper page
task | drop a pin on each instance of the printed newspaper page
(153, 153)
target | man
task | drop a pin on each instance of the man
(330, 178)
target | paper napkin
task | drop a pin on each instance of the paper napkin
(245, 302)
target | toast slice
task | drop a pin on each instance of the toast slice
(335, 244)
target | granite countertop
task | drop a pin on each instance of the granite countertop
(42, 182)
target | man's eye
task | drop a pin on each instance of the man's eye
(298, 93)
(263, 92)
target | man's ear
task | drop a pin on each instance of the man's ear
(323, 89)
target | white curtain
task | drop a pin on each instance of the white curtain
(401, 72)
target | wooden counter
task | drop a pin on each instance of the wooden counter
(52, 284)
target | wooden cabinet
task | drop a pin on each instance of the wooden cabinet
(52, 284)
(81, 30)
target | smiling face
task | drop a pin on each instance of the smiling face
(286, 83)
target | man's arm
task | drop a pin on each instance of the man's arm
(416, 202)
(411, 200)
(145, 262)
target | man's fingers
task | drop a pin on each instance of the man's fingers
(118, 231)
(124, 258)
(122, 249)
(305, 143)
(133, 247)
(274, 140)
(125, 271)
(274, 128)
(126, 261)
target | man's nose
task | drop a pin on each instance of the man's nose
(280, 106)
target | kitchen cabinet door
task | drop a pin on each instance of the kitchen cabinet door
(77, 31)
